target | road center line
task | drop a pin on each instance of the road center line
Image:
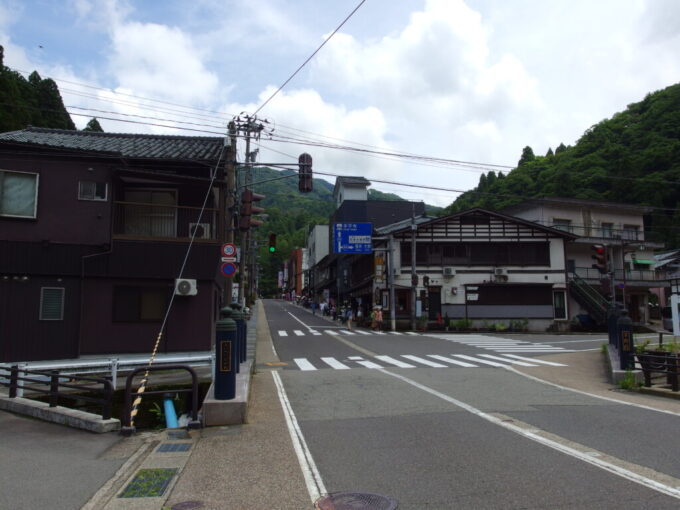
(602, 464)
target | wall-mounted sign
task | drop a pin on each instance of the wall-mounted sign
(352, 237)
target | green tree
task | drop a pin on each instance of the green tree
(93, 126)
(527, 155)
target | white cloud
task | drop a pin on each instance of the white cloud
(160, 61)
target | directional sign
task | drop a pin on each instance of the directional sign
(352, 237)
(228, 269)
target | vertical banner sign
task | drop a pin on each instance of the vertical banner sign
(225, 349)
(352, 237)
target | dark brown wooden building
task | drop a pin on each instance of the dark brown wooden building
(94, 230)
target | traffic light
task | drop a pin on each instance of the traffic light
(305, 175)
(600, 258)
(272, 243)
(248, 209)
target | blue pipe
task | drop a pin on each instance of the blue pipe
(170, 414)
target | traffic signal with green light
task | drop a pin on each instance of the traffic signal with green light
(272, 243)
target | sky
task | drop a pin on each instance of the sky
(469, 82)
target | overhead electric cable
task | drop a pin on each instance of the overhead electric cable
(310, 57)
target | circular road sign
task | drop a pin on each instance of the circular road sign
(229, 250)
(228, 269)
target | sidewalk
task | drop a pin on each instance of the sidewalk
(238, 467)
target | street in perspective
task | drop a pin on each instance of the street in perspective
(358, 255)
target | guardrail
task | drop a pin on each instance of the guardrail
(16, 379)
(663, 363)
(111, 366)
(126, 418)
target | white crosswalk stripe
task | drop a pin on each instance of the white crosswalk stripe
(283, 333)
(298, 332)
(500, 344)
(452, 361)
(334, 363)
(304, 364)
(314, 332)
(395, 362)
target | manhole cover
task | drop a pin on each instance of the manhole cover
(356, 501)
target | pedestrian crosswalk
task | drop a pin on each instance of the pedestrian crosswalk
(341, 332)
(421, 361)
(500, 344)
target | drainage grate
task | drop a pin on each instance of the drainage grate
(174, 447)
(187, 505)
(356, 501)
(149, 483)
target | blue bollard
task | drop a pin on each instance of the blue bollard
(626, 343)
(170, 414)
(241, 326)
(225, 357)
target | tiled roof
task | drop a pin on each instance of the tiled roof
(126, 145)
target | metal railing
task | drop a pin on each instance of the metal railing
(590, 298)
(646, 275)
(126, 418)
(139, 220)
(112, 366)
(662, 363)
(616, 235)
(58, 386)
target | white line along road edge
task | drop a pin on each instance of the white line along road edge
(625, 473)
(313, 480)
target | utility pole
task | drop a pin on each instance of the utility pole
(414, 276)
(230, 201)
(390, 283)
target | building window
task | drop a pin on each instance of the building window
(52, 304)
(18, 194)
(562, 224)
(560, 304)
(607, 230)
(630, 232)
(89, 190)
(139, 304)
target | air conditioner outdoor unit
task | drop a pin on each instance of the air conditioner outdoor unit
(449, 271)
(185, 287)
(500, 271)
(201, 230)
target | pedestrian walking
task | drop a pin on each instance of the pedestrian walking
(379, 318)
(348, 317)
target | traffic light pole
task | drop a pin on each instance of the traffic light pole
(230, 202)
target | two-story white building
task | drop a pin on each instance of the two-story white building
(629, 251)
(479, 265)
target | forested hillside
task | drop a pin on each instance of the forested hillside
(33, 102)
(633, 158)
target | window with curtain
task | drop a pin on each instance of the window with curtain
(18, 194)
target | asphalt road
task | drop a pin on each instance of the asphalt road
(453, 436)
(45, 465)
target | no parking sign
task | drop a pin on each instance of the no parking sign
(228, 269)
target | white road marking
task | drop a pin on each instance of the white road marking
(363, 362)
(298, 332)
(477, 360)
(512, 361)
(304, 364)
(347, 332)
(283, 333)
(334, 363)
(423, 361)
(314, 332)
(539, 361)
(362, 332)
(607, 466)
(313, 481)
(450, 360)
(412, 333)
(395, 362)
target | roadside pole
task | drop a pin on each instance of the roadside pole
(390, 282)
(230, 201)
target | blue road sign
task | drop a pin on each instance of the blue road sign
(352, 237)
(228, 269)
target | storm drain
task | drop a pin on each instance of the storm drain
(149, 483)
(356, 501)
(173, 447)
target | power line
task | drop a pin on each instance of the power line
(310, 57)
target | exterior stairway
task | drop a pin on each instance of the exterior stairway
(588, 297)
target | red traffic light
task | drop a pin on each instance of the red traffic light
(600, 258)
(248, 209)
